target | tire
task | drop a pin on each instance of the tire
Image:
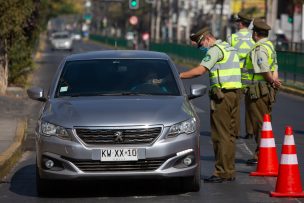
(42, 185)
(192, 183)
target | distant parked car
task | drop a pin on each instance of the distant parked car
(61, 41)
(117, 114)
(76, 36)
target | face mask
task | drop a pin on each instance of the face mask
(203, 49)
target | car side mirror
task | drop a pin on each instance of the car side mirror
(196, 91)
(36, 93)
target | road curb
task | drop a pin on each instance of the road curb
(292, 90)
(11, 155)
(41, 46)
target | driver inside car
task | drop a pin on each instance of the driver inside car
(151, 83)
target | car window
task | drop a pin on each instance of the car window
(117, 77)
(61, 36)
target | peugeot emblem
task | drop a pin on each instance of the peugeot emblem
(118, 136)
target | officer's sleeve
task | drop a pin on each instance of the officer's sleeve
(213, 55)
(260, 60)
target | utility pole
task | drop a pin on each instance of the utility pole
(292, 25)
(152, 21)
(221, 20)
(271, 15)
(158, 15)
(170, 23)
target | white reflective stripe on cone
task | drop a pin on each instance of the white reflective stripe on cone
(266, 126)
(289, 159)
(288, 140)
(267, 142)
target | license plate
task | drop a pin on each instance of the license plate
(117, 154)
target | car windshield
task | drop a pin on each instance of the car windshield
(116, 77)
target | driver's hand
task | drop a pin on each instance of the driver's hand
(156, 81)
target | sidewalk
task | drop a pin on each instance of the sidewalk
(13, 108)
(12, 133)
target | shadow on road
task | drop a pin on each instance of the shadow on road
(205, 133)
(23, 183)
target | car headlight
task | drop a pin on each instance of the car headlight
(49, 129)
(188, 126)
(67, 43)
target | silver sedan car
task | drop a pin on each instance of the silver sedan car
(61, 41)
(117, 114)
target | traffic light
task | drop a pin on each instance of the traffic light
(133, 4)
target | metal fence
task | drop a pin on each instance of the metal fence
(291, 68)
(116, 42)
(291, 63)
(289, 46)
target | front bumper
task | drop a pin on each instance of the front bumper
(62, 46)
(75, 160)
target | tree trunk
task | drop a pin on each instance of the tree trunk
(3, 69)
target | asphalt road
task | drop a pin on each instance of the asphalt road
(20, 184)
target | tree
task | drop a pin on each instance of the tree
(21, 22)
(12, 21)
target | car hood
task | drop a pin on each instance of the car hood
(117, 111)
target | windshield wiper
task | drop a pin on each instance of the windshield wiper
(105, 94)
(135, 93)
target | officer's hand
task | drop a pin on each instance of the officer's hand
(276, 83)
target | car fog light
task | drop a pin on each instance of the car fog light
(49, 164)
(187, 161)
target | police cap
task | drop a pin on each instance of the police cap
(243, 17)
(260, 25)
(199, 35)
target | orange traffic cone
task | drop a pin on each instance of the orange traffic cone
(289, 180)
(268, 163)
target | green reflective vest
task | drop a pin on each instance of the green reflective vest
(227, 72)
(271, 61)
(244, 43)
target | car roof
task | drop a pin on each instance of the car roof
(118, 54)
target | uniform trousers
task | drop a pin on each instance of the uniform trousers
(248, 122)
(248, 125)
(256, 110)
(223, 117)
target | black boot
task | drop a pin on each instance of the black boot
(214, 179)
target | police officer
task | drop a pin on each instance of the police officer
(261, 64)
(243, 42)
(222, 63)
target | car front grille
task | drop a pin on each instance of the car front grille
(98, 166)
(118, 136)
